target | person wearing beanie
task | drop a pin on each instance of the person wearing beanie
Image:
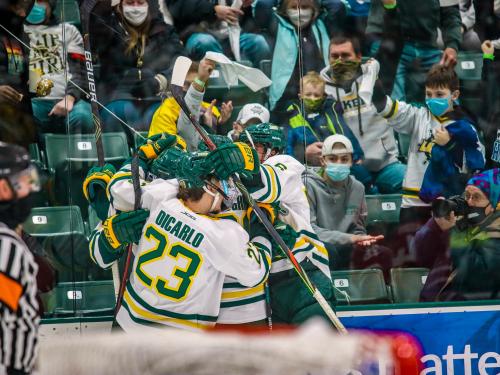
(338, 206)
(466, 264)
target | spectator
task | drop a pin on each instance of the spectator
(166, 116)
(203, 26)
(319, 120)
(250, 114)
(337, 203)
(344, 78)
(357, 17)
(470, 39)
(135, 51)
(466, 264)
(46, 61)
(17, 124)
(417, 29)
(287, 67)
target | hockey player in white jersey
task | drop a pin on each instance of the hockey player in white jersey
(183, 253)
(279, 182)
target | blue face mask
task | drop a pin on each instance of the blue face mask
(337, 172)
(37, 14)
(438, 106)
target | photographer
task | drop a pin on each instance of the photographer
(461, 243)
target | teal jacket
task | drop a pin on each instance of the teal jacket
(286, 53)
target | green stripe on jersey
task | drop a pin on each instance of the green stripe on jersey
(320, 259)
(243, 302)
(169, 314)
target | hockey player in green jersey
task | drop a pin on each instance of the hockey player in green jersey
(183, 254)
(280, 183)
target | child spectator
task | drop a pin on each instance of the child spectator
(250, 114)
(338, 205)
(319, 120)
(46, 61)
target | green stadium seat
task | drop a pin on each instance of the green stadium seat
(469, 66)
(383, 208)
(61, 232)
(69, 157)
(265, 66)
(406, 283)
(87, 298)
(357, 287)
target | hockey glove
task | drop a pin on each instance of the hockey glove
(155, 145)
(254, 226)
(233, 158)
(94, 189)
(124, 228)
(287, 234)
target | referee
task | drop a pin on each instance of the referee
(19, 318)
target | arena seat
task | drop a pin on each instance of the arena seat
(469, 69)
(383, 208)
(69, 157)
(406, 283)
(68, 11)
(356, 287)
(87, 298)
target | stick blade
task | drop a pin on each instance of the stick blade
(181, 68)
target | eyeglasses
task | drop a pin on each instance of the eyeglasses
(474, 197)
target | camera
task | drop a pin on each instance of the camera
(456, 204)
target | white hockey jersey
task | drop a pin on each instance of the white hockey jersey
(182, 259)
(281, 176)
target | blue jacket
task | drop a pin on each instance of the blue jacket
(315, 127)
(443, 176)
(286, 53)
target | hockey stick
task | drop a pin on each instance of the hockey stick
(180, 70)
(85, 11)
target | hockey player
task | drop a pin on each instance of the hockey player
(19, 319)
(280, 181)
(183, 254)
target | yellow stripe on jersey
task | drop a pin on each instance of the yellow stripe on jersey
(158, 318)
(244, 293)
(273, 181)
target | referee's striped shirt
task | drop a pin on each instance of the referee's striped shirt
(19, 318)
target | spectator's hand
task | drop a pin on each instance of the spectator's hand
(449, 57)
(9, 95)
(226, 110)
(487, 47)
(446, 223)
(205, 68)
(208, 117)
(228, 14)
(365, 240)
(63, 107)
(313, 153)
(442, 136)
(247, 3)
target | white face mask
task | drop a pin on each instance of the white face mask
(136, 15)
(304, 19)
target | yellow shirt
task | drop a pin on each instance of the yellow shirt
(165, 118)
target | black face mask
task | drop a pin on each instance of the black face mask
(16, 212)
(476, 215)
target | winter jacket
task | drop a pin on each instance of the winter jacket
(121, 74)
(336, 213)
(419, 21)
(315, 127)
(466, 265)
(451, 165)
(376, 139)
(284, 70)
(16, 120)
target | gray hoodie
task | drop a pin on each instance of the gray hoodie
(336, 213)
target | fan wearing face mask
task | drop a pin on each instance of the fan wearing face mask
(135, 49)
(294, 18)
(464, 262)
(338, 205)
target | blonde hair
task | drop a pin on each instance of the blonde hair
(312, 78)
